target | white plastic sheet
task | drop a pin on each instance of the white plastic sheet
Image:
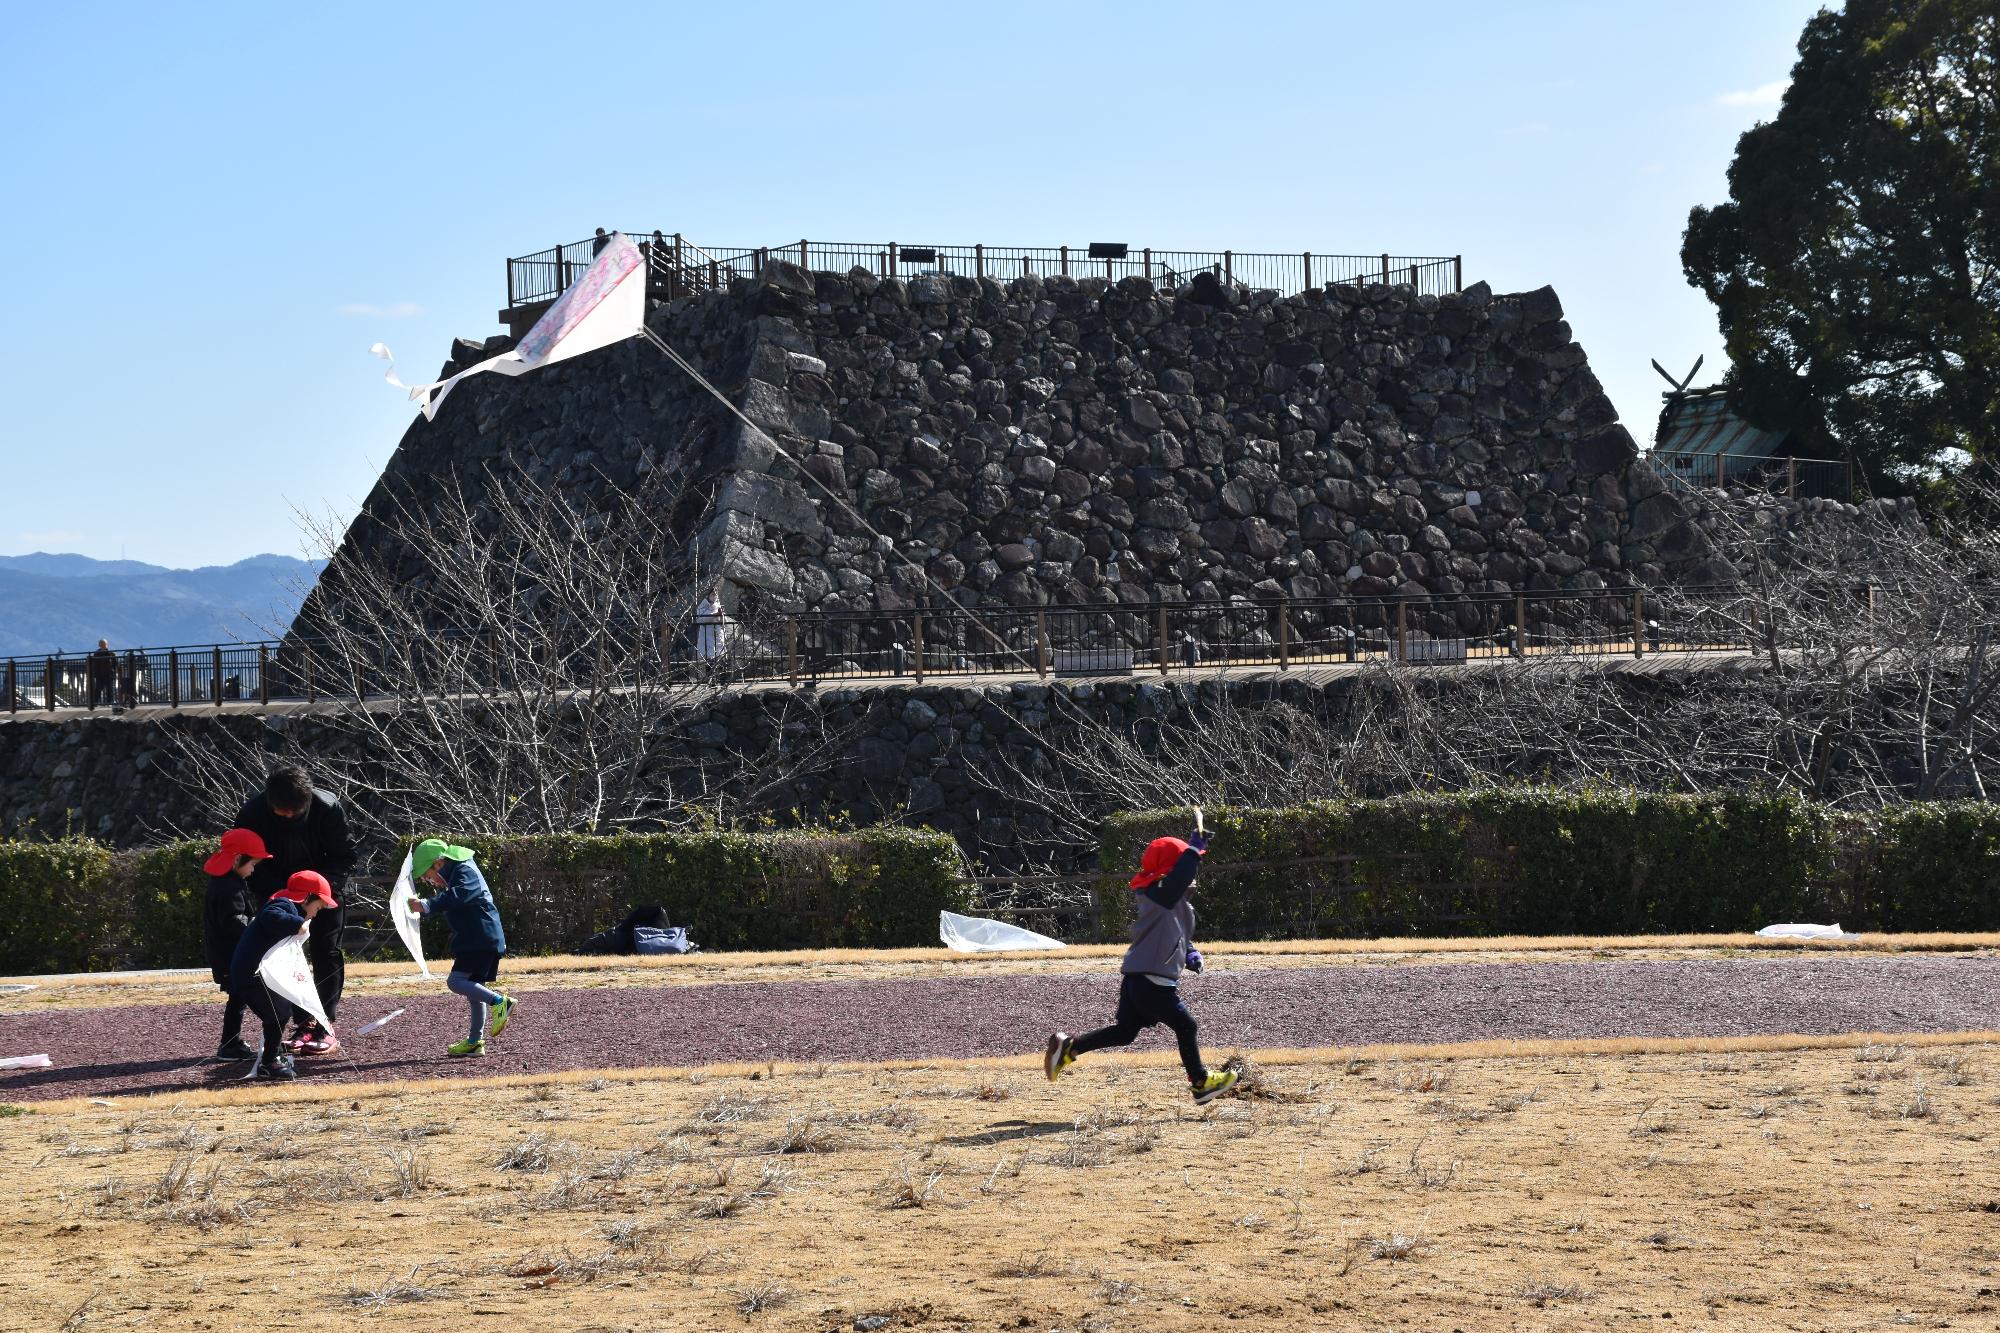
(288, 974)
(25, 1062)
(1796, 930)
(408, 924)
(974, 934)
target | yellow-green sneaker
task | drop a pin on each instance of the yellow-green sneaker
(1059, 1056)
(470, 1046)
(1214, 1086)
(501, 1011)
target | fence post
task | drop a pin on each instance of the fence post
(1638, 622)
(215, 677)
(1228, 266)
(714, 275)
(1385, 270)
(1791, 478)
(1721, 479)
(13, 695)
(1413, 275)
(264, 675)
(1041, 643)
(1308, 257)
(792, 649)
(805, 257)
(920, 647)
(1148, 252)
(1458, 273)
(1285, 634)
(674, 283)
(49, 683)
(173, 678)
(1520, 625)
(1065, 261)
(978, 261)
(1403, 629)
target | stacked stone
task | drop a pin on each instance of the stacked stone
(1084, 442)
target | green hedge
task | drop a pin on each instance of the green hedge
(1542, 862)
(73, 905)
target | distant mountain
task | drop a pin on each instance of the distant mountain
(69, 602)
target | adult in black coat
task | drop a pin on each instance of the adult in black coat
(306, 829)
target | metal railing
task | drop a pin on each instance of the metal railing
(919, 644)
(1795, 478)
(681, 268)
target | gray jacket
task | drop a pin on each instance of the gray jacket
(1164, 929)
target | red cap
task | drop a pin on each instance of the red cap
(1161, 853)
(237, 842)
(306, 884)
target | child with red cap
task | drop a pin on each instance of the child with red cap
(225, 915)
(1162, 947)
(288, 912)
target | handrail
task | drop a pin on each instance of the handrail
(543, 275)
(1120, 638)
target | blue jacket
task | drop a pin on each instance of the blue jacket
(274, 921)
(468, 904)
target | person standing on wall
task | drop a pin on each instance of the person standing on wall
(306, 829)
(102, 671)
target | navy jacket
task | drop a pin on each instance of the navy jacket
(279, 918)
(316, 840)
(468, 904)
(225, 914)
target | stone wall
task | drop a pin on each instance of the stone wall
(1076, 441)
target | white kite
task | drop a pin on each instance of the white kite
(606, 305)
(289, 976)
(408, 924)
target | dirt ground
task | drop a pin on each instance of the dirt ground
(1747, 1189)
(26, 994)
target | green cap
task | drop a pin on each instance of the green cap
(426, 853)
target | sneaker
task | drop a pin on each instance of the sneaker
(1214, 1086)
(470, 1046)
(1059, 1055)
(320, 1043)
(279, 1069)
(300, 1036)
(501, 1012)
(235, 1049)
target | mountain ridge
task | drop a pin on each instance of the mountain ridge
(60, 602)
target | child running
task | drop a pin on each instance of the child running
(288, 912)
(1162, 946)
(226, 913)
(476, 938)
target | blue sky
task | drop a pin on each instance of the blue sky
(215, 210)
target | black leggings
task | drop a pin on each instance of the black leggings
(329, 964)
(1142, 1003)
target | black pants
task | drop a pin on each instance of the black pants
(1142, 1003)
(232, 1019)
(273, 1011)
(329, 964)
(100, 691)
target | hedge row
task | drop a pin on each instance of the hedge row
(1544, 862)
(74, 905)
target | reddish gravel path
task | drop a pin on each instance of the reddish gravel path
(146, 1049)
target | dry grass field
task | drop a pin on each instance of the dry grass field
(1757, 1184)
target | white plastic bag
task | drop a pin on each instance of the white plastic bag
(408, 924)
(25, 1062)
(1793, 930)
(288, 974)
(973, 934)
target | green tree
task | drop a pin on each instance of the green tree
(1853, 267)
